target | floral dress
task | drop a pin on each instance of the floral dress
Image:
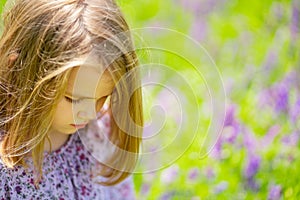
(67, 172)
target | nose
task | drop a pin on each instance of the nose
(87, 111)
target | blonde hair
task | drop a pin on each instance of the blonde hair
(38, 45)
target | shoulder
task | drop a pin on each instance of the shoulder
(15, 182)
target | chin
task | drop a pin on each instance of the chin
(65, 131)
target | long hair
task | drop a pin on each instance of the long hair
(41, 42)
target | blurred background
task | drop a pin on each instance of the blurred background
(255, 46)
(253, 49)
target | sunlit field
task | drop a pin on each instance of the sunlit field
(255, 46)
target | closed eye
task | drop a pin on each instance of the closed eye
(70, 100)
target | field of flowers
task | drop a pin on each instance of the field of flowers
(253, 49)
(255, 46)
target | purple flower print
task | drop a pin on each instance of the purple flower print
(274, 192)
(18, 189)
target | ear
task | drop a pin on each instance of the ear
(12, 58)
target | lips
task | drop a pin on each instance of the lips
(78, 126)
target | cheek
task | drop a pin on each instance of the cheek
(63, 109)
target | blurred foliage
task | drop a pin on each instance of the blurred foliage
(255, 45)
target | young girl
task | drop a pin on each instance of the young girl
(70, 102)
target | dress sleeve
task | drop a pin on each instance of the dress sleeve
(124, 190)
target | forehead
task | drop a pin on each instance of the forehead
(88, 82)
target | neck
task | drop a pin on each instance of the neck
(57, 141)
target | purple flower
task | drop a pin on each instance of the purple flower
(192, 6)
(216, 152)
(231, 126)
(210, 173)
(291, 79)
(230, 133)
(198, 30)
(201, 8)
(250, 141)
(291, 139)
(252, 184)
(274, 192)
(269, 137)
(167, 196)
(193, 174)
(295, 112)
(252, 166)
(145, 189)
(149, 176)
(168, 106)
(270, 61)
(265, 98)
(230, 116)
(220, 187)
(278, 10)
(278, 95)
(281, 95)
(295, 19)
(170, 174)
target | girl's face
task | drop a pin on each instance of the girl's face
(86, 93)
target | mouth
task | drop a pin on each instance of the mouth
(78, 126)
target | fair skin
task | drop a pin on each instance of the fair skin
(85, 95)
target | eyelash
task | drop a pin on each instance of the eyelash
(72, 100)
(78, 100)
